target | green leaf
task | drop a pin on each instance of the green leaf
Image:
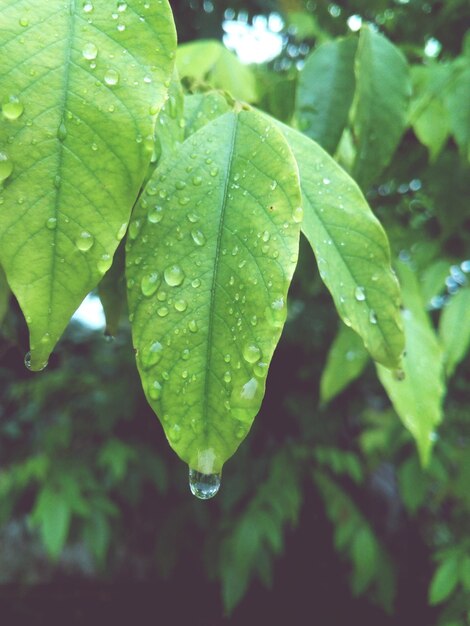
(52, 513)
(200, 109)
(457, 99)
(351, 249)
(79, 93)
(210, 61)
(325, 91)
(112, 293)
(417, 398)
(454, 329)
(380, 104)
(432, 280)
(169, 130)
(432, 128)
(346, 361)
(444, 581)
(364, 555)
(97, 535)
(209, 263)
(413, 484)
(4, 295)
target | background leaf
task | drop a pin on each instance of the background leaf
(208, 306)
(78, 117)
(380, 104)
(346, 360)
(351, 249)
(417, 398)
(325, 91)
(445, 580)
(454, 328)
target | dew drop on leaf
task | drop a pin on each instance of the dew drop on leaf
(111, 77)
(155, 214)
(13, 108)
(181, 305)
(155, 390)
(104, 263)
(149, 284)
(203, 486)
(198, 237)
(360, 294)
(298, 214)
(6, 166)
(51, 223)
(251, 353)
(90, 51)
(84, 241)
(173, 275)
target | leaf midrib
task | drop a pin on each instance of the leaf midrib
(61, 147)
(210, 325)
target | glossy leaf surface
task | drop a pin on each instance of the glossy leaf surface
(80, 87)
(211, 254)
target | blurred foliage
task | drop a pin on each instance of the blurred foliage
(89, 489)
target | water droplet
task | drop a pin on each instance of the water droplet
(90, 51)
(326, 181)
(260, 369)
(12, 109)
(198, 237)
(6, 166)
(197, 180)
(162, 311)
(193, 218)
(24, 22)
(85, 241)
(51, 223)
(193, 327)
(173, 275)
(181, 305)
(155, 214)
(227, 377)
(214, 171)
(180, 184)
(134, 229)
(152, 355)
(111, 77)
(249, 389)
(149, 284)
(372, 317)
(87, 7)
(155, 390)
(251, 353)
(121, 27)
(174, 434)
(360, 294)
(184, 201)
(27, 362)
(203, 486)
(196, 283)
(121, 232)
(298, 214)
(122, 6)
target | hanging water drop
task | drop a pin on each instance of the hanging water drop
(204, 486)
(104, 263)
(27, 362)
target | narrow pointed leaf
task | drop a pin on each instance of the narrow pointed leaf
(351, 249)
(346, 361)
(458, 97)
(208, 274)
(380, 104)
(454, 329)
(325, 91)
(445, 580)
(80, 91)
(417, 398)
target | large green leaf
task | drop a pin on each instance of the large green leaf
(458, 98)
(346, 361)
(417, 395)
(351, 249)
(454, 329)
(325, 91)
(380, 104)
(209, 263)
(209, 60)
(80, 87)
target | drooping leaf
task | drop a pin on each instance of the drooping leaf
(346, 361)
(417, 398)
(380, 104)
(325, 91)
(52, 514)
(112, 293)
(454, 329)
(351, 249)
(445, 580)
(209, 263)
(79, 93)
(457, 99)
(199, 109)
(210, 61)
